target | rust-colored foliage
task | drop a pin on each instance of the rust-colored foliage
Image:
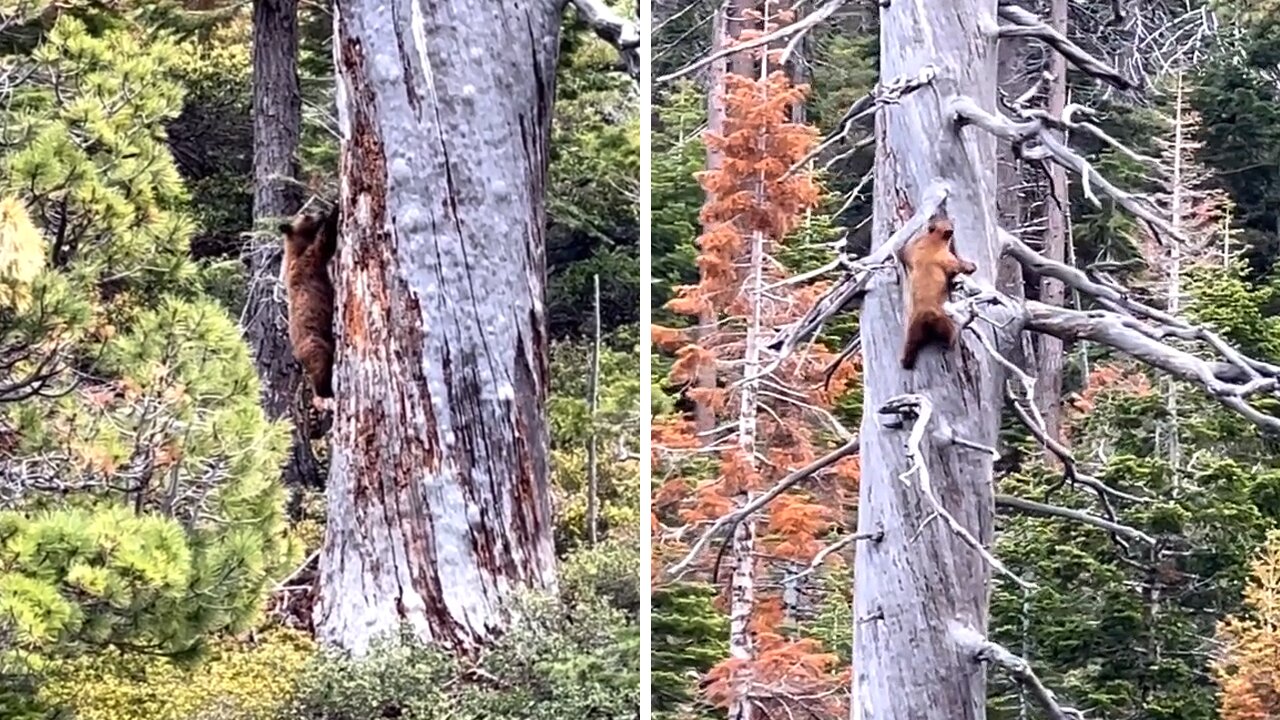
(772, 418)
(1106, 380)
(1248, 670)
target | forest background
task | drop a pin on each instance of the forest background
(153, 561)
(1183, 627)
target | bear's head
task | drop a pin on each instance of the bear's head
(306, 229)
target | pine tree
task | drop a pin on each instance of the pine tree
(1249, 667)
(771, 414)
(140, 493)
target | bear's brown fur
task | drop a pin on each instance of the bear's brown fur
(931, 264)
(309, 243)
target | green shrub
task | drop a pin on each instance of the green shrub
(235, 681)
(610, 571)
(578, 661)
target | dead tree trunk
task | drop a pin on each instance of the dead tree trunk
(438, 503)
(277, 124)
(1009, 277)
(1052, 292)
(921, 576)
(727, 23)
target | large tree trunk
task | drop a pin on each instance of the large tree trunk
(439, 510)
(920, 578)
(277, 121)
(1052, 292)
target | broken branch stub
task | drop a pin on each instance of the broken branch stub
(614, 29)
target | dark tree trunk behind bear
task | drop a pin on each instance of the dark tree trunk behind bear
(1052, 292)
(439, 511)
(277, 118)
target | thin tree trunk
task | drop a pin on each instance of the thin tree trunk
(798, 64)
(739, 19)
(439, 509)
(727, 24)
(703, 416)
(912, 586)
(277, 122)
(742, 590)
(1009, 276)
(1175, 275)
(593, 480)
(1052, 292)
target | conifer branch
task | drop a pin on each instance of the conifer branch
(614, 29)
(1026, 24)
(988, 651)
(732, 519)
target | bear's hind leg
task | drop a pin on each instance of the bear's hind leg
(933, 327)
(942, 328)
(917, 337)
(316, 357)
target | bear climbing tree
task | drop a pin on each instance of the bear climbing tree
(309, 245)
(931, 264)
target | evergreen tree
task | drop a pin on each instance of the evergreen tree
(139, 471)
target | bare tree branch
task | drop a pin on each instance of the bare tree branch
(967, 112)
(867, 105)
(1026, 24)
(921, 407)
(834, 547)
(822, 13)
(732, 519)
(987, 651)
(613, 29)
(1070, 466)
(1133, 338)
(1031, 507)
(1116, 298)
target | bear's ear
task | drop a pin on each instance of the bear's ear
(285, 228)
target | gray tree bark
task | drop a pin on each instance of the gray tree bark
(1053, 292)
(1009, 278)
(439, 509)
(277, 125)
(921, 577)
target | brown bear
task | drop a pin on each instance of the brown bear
(309, 243)
(931, 265)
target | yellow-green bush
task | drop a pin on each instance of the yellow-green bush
(235, 681)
